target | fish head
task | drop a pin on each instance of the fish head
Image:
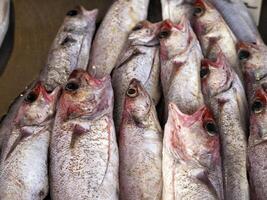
(86, 96)
(193, 138)
(137, 101)
(38, 106)
(258, 117)
(174, 38)
(216, 75)
(145, 33)
(205, 16)
(78, 19)
(253, 59)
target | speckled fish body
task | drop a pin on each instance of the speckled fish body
(112, 34)
(23, 167)
(83, 150)
(4, 18)
(238, 19)
(180, 57)
(139, 60)
(224, 93)
(191, 156)
(140, 142)
(174, 10)
(71, 47)
(212, 30)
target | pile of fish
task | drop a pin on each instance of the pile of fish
(189, 99)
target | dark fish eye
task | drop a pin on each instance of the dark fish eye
(257, 106)
(204, 71)
(138, 27)
(72, 86)
(198, 11)
(31, 97)
(72, 13)
(243, 55)
(164, 34)
(211, 128)
(132, 92)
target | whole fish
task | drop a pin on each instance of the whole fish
(253, 60)
(238, 19)
(83, 150)
(174, 10)
(212, 30)
(71, 47)
(4, 18)
(140, 60)
(140, 146)
(257, 146)
(23, 167)
(223, 91)
(180, 57)
(191, 156)
(112, 34)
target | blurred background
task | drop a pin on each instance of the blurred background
(33, 26)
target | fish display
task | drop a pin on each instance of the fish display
(191, 163)
(112, 34)
(139, 60)
(224, 93)
(83, 150)
(140, 146)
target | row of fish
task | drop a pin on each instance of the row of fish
(197, 62)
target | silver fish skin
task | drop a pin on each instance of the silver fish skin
(180, 57)
(112, 34)
(23, 167)
(224, 93)
(212, 30)
(71, 47)
(234, 11)
(253, 60)
(257, 145)
(174, 10)
(4, 18)
(140, 60)
(191, 156)
(140, 146)
(83, 149)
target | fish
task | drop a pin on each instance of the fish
(238, 19)
(253, 61)
(112, 34)
(212, 30)
(174, 10)
(257, 145)
(225, 95)
(140, 60)
(140, 146)
(180, 59)
(84, 159)
(24, 160)
(4, 19)
(191, 156)
(70, 48)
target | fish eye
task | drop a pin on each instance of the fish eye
(257, 106)
(72, 86)
(72, 13)
(164, 34)
(243, 55)
(204, 71)
(132, 92)
(31, 97)
(198, 11)
(138, 27)
(211, 128)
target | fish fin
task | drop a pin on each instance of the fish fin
(78, 130)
